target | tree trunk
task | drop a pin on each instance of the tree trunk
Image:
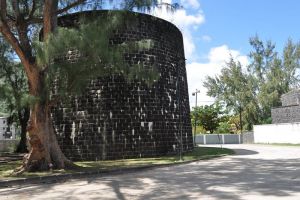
(45, 152)
(23, 119)
(241, 120)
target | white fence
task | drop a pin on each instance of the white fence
(218, 139)
(277, 133)
(224, 138)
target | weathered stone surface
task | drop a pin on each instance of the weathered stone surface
(290, 110)
(117, 119)
(286, 114)
(291, 98)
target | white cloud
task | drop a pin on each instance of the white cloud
(164, 1)
(189, 45)
(206, 38)
(179, 17)
(182, 19)
(190, 3)
(185, 22)
(197, 72)
(217, 56)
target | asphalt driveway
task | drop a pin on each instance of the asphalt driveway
(255, 172)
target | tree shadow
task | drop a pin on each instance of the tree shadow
(227, 178)
(242, 152)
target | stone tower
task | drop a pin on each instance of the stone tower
(117, 119)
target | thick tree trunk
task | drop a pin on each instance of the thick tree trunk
(241, 120)
(45, 152)
(23, 119)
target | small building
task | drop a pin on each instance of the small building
(6, 132)
(285, 127)
(290, 110)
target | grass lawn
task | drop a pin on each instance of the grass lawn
(199, 153)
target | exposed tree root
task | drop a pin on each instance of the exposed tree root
(30, 165)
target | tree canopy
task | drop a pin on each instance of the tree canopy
(251, 91)
(208, 116)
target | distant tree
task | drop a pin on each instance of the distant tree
(231, 88)
(14, 92)
(14, 95)
(195, 116)
(224, 125)
(208, 117)
(252, 91)
(271, 74)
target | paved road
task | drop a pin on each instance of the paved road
(256, 172)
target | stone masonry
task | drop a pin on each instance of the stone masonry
(290, 110)
(117, 119)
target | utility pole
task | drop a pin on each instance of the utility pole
(196, 115)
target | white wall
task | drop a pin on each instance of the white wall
(277, 133)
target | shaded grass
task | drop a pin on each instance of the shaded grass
(199, 153)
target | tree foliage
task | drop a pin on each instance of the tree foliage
(75, 56)
(208, 116)
(14, 92)
(251, 91)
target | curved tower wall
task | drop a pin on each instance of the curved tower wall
(117, 119)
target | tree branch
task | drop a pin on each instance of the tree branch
(24, 40)
(71, 5)
(33, 8)
(11, 18)
(2, 10)
(15, 5)
(13, 41)
(35, 20)
(50, 19)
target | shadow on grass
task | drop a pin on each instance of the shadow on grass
(199, 153)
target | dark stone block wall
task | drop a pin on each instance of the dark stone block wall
(286, 114)
(117, 119)
(290, 110)
(290, 99)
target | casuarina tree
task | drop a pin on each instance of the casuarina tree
(14, 92)
(20, 22)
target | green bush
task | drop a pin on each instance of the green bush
(224, 127)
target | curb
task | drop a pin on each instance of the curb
(78, 175)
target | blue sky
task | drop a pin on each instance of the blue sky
(234, 21)
(214, 29)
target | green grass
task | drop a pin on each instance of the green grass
(199, 153)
